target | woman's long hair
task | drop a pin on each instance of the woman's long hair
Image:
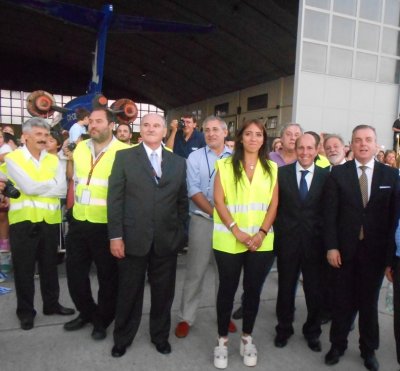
(238, 153)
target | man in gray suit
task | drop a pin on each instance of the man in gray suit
(148, 206)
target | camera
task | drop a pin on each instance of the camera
(181, 124)
(10, 191)
(71, 146)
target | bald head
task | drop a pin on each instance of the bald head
(306, 150)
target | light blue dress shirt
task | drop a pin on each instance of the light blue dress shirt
(201, 173)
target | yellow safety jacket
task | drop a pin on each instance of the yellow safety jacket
(35, 208)
(247, 203)
(322, 161)
(91, 181)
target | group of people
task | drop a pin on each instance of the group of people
(309, 215)
(323, 217)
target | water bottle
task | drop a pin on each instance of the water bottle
(389, 297)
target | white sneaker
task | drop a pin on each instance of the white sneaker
(221, 354)
(248, 351)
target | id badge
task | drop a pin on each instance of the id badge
(85, 197)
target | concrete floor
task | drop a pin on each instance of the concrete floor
(48, 347)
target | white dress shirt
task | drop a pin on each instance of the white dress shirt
(308, 177)
(149, 151)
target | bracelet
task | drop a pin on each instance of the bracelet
(231, 225)
(263, 231)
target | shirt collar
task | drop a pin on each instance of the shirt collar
(225, 151)
(89, 143)
(370, 164)
(149, 151)
(28, 155)
(300, 168)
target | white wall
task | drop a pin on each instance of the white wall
(336, 105)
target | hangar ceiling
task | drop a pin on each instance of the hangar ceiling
(254, 42)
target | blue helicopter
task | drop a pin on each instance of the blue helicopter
(41, 103)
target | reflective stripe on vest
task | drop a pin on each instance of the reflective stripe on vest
(96, 209)
(246, 208)
(220, 227)
(94, 201)
(35, 204)
(93, 181)
(247, 203)
(35, 208)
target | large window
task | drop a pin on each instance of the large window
(13, 107)
(352, 38)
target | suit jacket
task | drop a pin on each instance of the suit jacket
(344, 213)
(143, 212)
(298, 223)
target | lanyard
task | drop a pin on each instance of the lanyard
(93, 165)
(211, 173)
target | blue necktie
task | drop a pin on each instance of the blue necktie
(155, 164)
(303, 185)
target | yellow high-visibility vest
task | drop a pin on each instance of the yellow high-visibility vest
(247, 203)
(91, 183)
(322, 161)
(35, 208)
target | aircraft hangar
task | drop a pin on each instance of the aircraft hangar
(326, 64)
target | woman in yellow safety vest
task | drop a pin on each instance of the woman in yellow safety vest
(246, 200)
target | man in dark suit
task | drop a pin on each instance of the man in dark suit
(393, 275)
(148, 207)
(298, 241)
(358, 215)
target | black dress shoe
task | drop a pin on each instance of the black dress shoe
(63, 311)
(333, 356)
(163, 348)
(75, 324)
(314, 345)
(26, 323)
(238, 313)
(118, 351)
(280, 341)
(99, 333)
(370, 362)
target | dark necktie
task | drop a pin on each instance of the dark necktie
(303, 185)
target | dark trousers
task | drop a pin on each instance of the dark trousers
(357, 286)
(31, 242)
(86, 243)
(161, 271)
(256, 266)
(396, 306)
(327, 285)
(289, 268)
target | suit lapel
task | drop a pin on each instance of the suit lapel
(353, 179)
(144, 161)
(166, 164)
(316, 180)
(293, 182)
(376, 180)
